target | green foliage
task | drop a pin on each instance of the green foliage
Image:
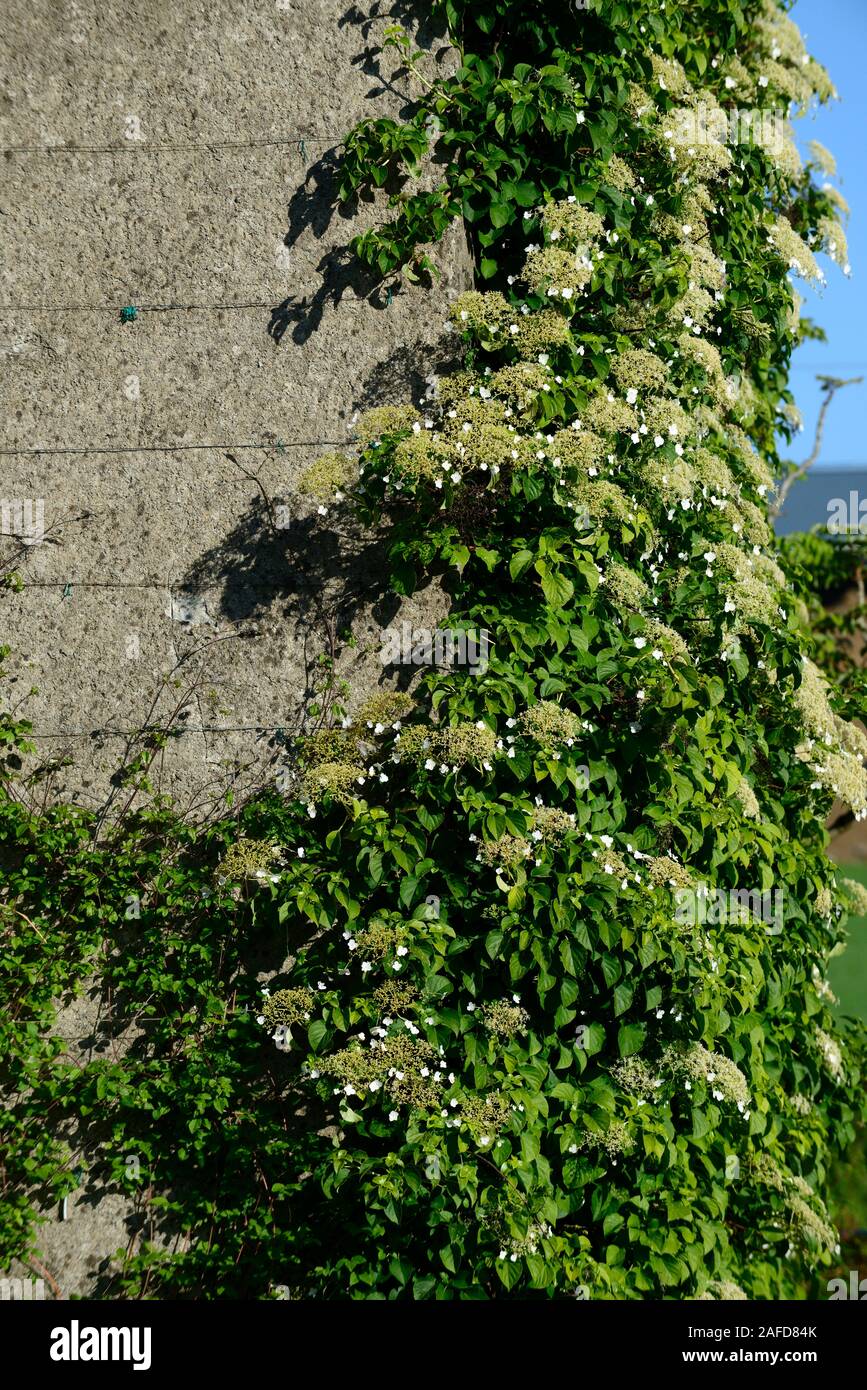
(827, 576)
(503, 1063)
(177, 1109)
(820, 568)
(848, 973)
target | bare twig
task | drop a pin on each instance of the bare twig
(40, 1269)
(150, 732)
(830, 386)
(9, 566)
(254, 478)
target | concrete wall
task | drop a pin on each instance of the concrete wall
(187, 186)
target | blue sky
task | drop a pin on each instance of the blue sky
(836, 34)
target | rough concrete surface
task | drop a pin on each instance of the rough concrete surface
(183, 157)
(189, 188)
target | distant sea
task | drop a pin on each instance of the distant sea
(824, 494)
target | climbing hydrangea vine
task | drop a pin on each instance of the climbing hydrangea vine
(572, 1072)
(528, 1028)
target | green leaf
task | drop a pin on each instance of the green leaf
(622, 999)
(374, 866)
(437, 986)
(460, 555)
(520, 561)
(630, 1038)
(508, 1272)
(612, 969)
(525, 193)
(447, 1255)
(408, 890)
(493, 942)
(489, 558)
(558, 590)
(700, 1123)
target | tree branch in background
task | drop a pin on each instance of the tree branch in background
(830, 386)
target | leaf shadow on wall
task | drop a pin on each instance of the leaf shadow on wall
(315, 202)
